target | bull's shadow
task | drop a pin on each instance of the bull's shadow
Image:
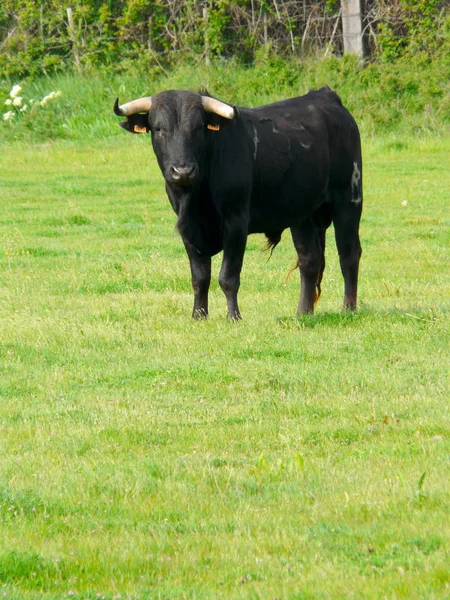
(346, 319)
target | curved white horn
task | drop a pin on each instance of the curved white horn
(134, 107)
(219, 108)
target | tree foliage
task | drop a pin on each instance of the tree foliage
(41, 37)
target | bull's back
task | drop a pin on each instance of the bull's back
(333, 133)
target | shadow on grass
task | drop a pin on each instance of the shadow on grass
(326, 319)
(349, 319)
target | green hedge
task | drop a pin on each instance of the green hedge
(409, 96)
(38, 38)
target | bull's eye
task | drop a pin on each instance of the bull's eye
(158, 132)
(196, 132)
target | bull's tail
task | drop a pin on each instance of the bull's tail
(291, 270)
(318, 286)
(318, 282)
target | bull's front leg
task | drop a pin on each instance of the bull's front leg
(234, 242)
(201, 278)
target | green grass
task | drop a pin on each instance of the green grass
(144, 455)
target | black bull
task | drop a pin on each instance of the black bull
(234, 171)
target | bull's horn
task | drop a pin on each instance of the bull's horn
(219, 108)
(133, 107)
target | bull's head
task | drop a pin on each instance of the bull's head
(178, 122)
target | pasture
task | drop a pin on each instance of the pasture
(144, 455)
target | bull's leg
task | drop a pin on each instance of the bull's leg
(309, 241)
(230, 273)
(201, 278)
(346, 216)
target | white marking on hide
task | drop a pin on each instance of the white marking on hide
(356, 184)
(305, 146)
(356, 175)
(256, 142)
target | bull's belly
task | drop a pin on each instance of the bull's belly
(281, 213)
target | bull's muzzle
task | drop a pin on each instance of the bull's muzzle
(183, 175)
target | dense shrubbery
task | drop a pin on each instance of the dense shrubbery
(45, 37)
(409, 96)
(133, 47)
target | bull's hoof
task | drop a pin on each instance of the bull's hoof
(236, 317)
(349, 304)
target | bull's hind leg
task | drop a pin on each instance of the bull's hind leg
(347, 208)
(309, 241)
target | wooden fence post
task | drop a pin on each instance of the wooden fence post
(207, 47)
(352, 27)
(266, 37)
(73, 39)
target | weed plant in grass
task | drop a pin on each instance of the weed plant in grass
(144, 455)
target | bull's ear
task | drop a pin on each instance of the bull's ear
(136, 124)
(215, 122)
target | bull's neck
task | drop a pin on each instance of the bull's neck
(198, 221)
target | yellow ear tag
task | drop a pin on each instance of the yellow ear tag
(139, 129)
(213, 127)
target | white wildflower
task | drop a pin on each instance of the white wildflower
(8, 102)
(15, 91)
(50, 96)
(24, 108)
(8, 115)
(17, 101)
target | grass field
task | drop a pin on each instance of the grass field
(144, 455)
